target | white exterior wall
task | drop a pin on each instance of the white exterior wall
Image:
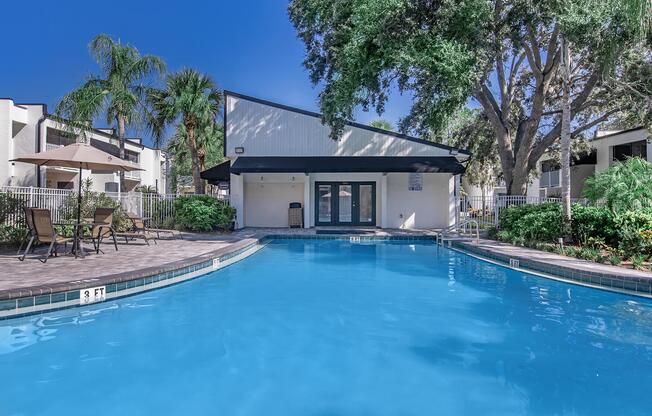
(267, 198)
(19, 136)
(433, 207)
(263, 130)
(262, 200)
(604, 146)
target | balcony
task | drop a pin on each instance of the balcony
(133, 176)
(550, 179)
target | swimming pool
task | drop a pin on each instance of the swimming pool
(325, 327)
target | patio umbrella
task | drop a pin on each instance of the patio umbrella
(81, 156)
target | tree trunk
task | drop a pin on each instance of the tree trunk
(565, 135)
(121, 137)
(194, 157)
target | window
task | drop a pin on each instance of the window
(58, 137)
(549, 165)
(111, 187)
(131, 156)
(624, 151)
(550, 175)
(65, 185)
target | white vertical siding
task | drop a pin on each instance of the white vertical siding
(264, 130)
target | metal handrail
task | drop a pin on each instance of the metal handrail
(463, 225)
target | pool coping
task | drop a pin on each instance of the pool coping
(37, 299)
(550, 265)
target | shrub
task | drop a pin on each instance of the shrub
(533, 222)
(590, 224)
(9, 205)
(635, 231)
(92, 200)
(625, 186)
(202, 213)
(12, 235)
(637, 261)
(614, 260)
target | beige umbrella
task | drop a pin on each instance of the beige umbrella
(82, 156)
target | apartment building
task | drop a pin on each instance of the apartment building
(28, 128)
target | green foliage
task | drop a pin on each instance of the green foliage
(614, 260)
(592, 225)
(357, 48)
(637, 261)
(382, 124)
(12, 235)
(117, 92)
(635, 231)
(8, 205)
(625, 186)
(505, 55)
(532, 222)
(202, 213)
(190, 100)
(92, 200)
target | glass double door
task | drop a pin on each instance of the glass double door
(345, 203)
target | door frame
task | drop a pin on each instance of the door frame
(355, 203)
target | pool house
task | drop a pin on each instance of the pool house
(278, 155)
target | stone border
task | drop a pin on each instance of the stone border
(618, 282)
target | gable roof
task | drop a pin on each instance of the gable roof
(348, 123)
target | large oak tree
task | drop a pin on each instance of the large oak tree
(503, 55)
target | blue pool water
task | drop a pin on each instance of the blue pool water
(326, 328)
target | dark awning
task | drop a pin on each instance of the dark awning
(341, 164)
(218, 173)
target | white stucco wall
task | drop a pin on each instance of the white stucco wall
(267, 198)
(264, 130)
(433, 207)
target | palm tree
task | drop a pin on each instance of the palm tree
(209, 138)
(117, 92)
(190, 99)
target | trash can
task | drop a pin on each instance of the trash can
(295, 215)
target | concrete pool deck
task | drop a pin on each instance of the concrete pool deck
(31, 286)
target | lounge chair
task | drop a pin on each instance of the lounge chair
(102, 227)
(137, 230)
(139, 224)
(44, 232)
(31, 233)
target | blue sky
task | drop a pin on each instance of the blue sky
(248, 46)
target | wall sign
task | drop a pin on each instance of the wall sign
(92, 295)
(415, 182)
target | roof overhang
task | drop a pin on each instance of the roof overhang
(334, 164)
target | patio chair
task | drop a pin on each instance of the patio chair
(139, 224)
(31, 233)
(45, 233)
(102, 227)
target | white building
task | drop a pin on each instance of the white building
(608, 147)
(369, 177)
(28, 128)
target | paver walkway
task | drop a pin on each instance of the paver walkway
(131, 257)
